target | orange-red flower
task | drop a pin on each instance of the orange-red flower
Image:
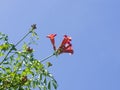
(66, 40)
(52, 36)
(65, 46)
(68, 49)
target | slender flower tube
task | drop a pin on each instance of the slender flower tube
(52, 39)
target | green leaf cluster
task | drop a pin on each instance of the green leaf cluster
(20, 70)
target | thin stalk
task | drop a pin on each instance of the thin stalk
(15, 46)
(22, 38)
(47, 58)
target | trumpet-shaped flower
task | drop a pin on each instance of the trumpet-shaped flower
(52, 39)
(66, 40)
(65, 46)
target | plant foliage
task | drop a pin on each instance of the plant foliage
(19, 69)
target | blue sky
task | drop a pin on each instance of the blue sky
(94, 26)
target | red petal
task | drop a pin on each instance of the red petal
(66, 40)
(68, 49)
(51, 36)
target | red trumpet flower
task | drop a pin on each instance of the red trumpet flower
(52, 36)
(66, 40)
(65, 47)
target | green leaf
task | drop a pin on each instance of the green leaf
(27, 71)
(40, 76)
(1, 54)
(45, 81)
(54, 84)
(27, 89)
(8, 70)
(24, 47)
(46, 73)
(34, 84)
(45, 88)
(23, 73)
(49, 85)
(37, 82)
(3, 68)
(19, 56)
(4, 46)
(12, 74)
(6, 62)
(40, 88)
(34, 34)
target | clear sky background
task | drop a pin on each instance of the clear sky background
(94, 26)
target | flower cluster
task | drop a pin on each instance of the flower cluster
(65, 46)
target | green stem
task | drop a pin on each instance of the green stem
(47, 58)
(15, 46)
(22, 38)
